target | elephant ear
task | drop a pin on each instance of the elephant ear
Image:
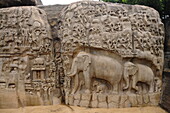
(87, 62)
(133, 69)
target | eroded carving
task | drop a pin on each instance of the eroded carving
(95, 66)
(111, 50)
(104, 55)
(138, 73)
(27, 65)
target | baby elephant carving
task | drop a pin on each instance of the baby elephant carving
(138, 73)
(95, 66)
(100, 88)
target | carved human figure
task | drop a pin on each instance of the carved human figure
(45, 94)
(138, 73)
(13, 76)
(22, 67)
(95, 66)
(158, 84)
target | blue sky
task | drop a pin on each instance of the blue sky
(52, 2)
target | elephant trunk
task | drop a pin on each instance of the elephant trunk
(73, 70)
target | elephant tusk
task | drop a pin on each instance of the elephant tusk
(125, 87)
(70, 75)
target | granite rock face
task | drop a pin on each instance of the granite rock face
(95, 54)
(27, 68)
(111, 50)
(53, 14)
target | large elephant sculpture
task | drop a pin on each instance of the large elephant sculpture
(96, 66)
(138, 73)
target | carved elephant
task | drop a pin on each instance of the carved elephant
(96, 66)
(100, 88)
(138, 73)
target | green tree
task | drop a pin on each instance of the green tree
(166, 9)
(156, 4)
(162, 6)
(114, 1)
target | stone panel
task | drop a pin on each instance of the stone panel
(112, 49)
(27, 64)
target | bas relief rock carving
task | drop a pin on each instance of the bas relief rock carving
(27, 65)
(93, 66)
(138, 73)
(104, 55)
(112, 54)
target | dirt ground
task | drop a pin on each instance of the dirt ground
(67, 109)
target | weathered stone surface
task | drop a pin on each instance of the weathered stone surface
(84, 103)
(113, 105)
(133, 100)
(102, 105)
(53, 11)
(101, 41)
(154, 98)
(86, 97)
(8, 99)
(124, 101)
(32, 100)
(53, 14)
(146, 99)
(102, 98)
(77, 96)
(113, 101)
(95, 97)
(27, 65)
(94, 46)
(76, 102)
(139, 99)
(113, 98)
(94, 103)
(71, 99)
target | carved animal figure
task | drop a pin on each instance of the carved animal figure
(95, 66)
(138, 73)
(100, 88)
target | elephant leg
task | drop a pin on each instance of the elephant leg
(134, 83)
(151, 87)
(115, 88)
(87, 80)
